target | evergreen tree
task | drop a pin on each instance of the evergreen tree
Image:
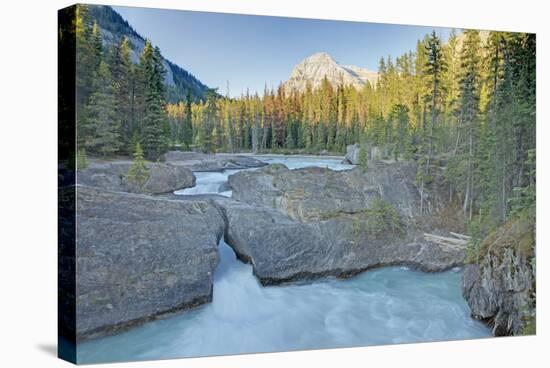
(434, 67)
(88, 55)
(124, 90)
(400, 124)
(363, 159)
(81, 161)
(467, 103)
(138, 174)
(154, 124)
(102, 123)
(469, 110)
(187, 130)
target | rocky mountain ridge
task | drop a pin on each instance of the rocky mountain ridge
(114, 28)
(316, 67)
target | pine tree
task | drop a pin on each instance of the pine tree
(469, 111)
(363, 158)
(434, 67)
(138, 174)
(124, 90)
(187, 130)
(154, 124)
(400, 120)
(88, 56)
(81, 161)
(289, 140)
(102, 123)
(469, 105)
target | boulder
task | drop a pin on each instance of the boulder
(300, 224)
(139, 257)
(279, 248)
(196, 161)
(500, 287)
(282, 250)
(352, 154)
(315, 193)
(373, 153)
(163, 178)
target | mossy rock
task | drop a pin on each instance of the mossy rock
(518, 234)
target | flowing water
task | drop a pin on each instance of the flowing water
(216, 182)
(384, 306)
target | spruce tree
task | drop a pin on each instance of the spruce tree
(469, 108)
(123, 83)
(187, 129)
(138, 174)
(87, 63)
(102, 124)
(154, 123)
(434, 67)
(363, 158)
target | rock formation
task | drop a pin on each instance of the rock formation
(316, 67)
(157, 254)
(138, 257)
(196, 161)
(500, 286)
(112, 175)
(306, 223)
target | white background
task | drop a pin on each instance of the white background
(28, 148)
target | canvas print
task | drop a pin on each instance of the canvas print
(235, 184)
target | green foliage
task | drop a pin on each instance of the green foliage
(103, 131)
(476, 234)
(117, 99)
(81, 162)
(529, 326)
(376, 221)
(524, 198)
(380, 218)
(184, 82)
(400, 124)
(363, 159)
(138, 174)
(464, 109)
(154, 124)
(187, 129)
(123, 80)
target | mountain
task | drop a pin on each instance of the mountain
(113, 27)
(316, 67)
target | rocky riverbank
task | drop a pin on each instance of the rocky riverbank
(300, 224)
(157, 253)
(113, 176)
(174, 173)
(139, 257)
(500, 285)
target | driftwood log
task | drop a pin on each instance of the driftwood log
(457, 241)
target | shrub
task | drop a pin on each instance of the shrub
(81, 162)
(363, 159)
(138, 174)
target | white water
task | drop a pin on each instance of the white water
(209, 182)
(214, 182)
(383, 306)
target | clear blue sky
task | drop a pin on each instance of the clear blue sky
(251, 51)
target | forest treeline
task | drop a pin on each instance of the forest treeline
(467, 105)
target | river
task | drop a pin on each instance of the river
(383, 306)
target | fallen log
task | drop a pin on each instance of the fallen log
(460, 236)
(446, 241)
